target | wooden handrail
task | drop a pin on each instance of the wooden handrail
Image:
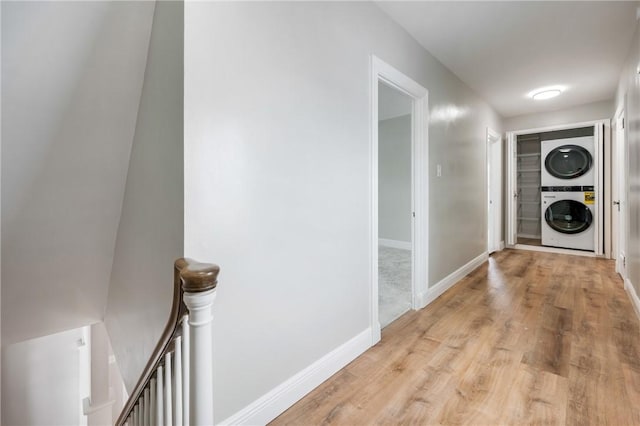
(190, 276)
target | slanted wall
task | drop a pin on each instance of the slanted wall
(71, 82)
(150, 235)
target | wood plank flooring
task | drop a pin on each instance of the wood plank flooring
(527, 338)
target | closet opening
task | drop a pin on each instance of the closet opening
(556, 178)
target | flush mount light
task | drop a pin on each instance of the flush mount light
(546, 92)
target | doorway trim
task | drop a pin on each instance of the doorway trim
(620, 158)
(385, 73)
(494, 227)
(601, 128)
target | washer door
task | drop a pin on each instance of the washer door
(568, 161)
(568, 216)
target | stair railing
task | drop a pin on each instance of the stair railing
(176, 385)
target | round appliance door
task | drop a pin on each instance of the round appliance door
(568, 161)
(568, 216)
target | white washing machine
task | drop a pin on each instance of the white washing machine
(568, 162)
(568, 217)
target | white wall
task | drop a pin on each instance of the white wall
(150, 234)
(588, 112)
(277, 176)
(629, 88)
(394, 178)
(41, 380)
(71, 80)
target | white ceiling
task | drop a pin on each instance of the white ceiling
(504, 50)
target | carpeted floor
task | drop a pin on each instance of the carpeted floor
(394, 283)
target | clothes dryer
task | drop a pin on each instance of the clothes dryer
(568, 217)
(568, 162)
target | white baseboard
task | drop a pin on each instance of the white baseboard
(283, 396)
(447, 282)
(557, 250)
(404, 245)
(631, 291)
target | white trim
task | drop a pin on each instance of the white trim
(450, 280)
(404, 245)
(89, 408)
(383, 72)
(558, 127)
(599, 130)
(283, 396)
(511, 210)
(494, 230)
(502, 245)
(633, 296)
(557, 250)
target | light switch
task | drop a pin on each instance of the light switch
(438, 170)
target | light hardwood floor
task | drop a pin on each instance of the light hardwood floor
(527, 338)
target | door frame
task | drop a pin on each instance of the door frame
(620, 158)
(494, 226)
(601, 128)
(383, 72)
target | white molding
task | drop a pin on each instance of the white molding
(283, 396)
(450, 280)
(404, 245)
(555, 250)
(558, 127)
(631, 291)
(387, 74)
(89, 408)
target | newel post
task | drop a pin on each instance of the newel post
(199, 282)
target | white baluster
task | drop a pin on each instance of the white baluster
(201, 369)
(167, 387)
(135, 416)
(159, 397)
(185, 370)
(147, 407)
(143, 409)
(178, 379)
(152, 405)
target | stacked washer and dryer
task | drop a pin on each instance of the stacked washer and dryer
(567, 193)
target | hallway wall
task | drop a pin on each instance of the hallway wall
(277, 165)
(588, 112)
(629, 87)
(394, 178)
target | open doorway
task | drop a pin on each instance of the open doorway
(399, 193)
(556, 187)
(395, 241)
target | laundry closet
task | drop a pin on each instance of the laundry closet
(555, 177)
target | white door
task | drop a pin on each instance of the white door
(494, 190)
(619, 196)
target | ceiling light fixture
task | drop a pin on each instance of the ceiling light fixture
(543, 93)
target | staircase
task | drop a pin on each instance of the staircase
(176, 385)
